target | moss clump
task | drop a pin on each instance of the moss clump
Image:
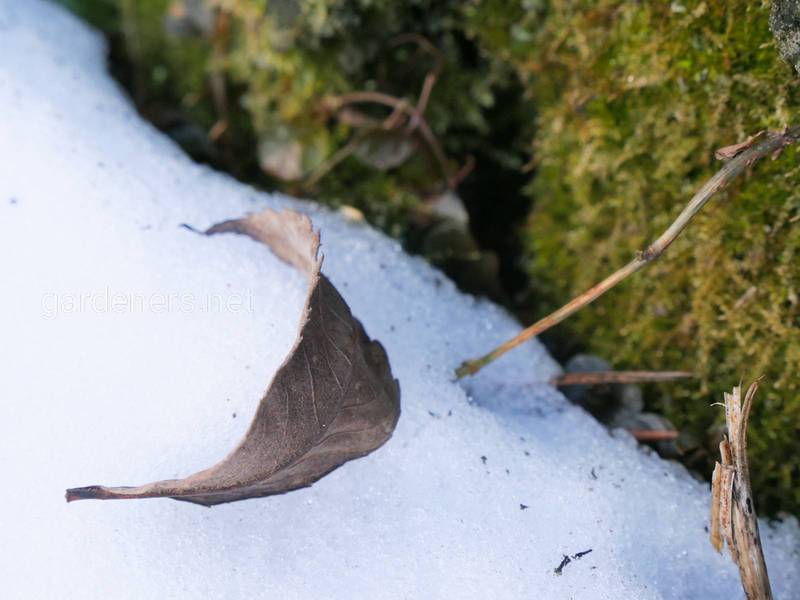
(634, 98)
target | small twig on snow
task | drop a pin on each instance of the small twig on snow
(747, 154)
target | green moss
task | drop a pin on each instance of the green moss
(634, 99)
(167, 68)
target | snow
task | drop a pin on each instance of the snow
(135, 350)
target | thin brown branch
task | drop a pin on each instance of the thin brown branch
(217, 130)
(357, 119)
(436, 148)
(399, 105)
(374, 97)
(653, 435)
(394, 120)
(425, 94)
(602, 377)
(773, 142)
(462, 172)
(433, 76)
(400, 108)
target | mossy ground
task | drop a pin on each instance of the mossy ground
(634, 98)
(630, 100)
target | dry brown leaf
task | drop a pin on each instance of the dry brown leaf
(332, 400)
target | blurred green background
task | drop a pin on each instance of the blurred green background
(528, 148)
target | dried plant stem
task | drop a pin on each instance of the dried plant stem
(772, 143)
(433, 76)
(653, 435)
(416, 120)
(601, 377)
(403, 114)
(733, 516)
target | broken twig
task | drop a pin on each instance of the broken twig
(602, 377)
(733, 515)
(566, 560)
(772, 143)
(653, 435)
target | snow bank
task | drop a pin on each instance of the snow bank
(134, 350)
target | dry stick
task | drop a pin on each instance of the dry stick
(601, 377)
(416, 120)
(433, 76)
(462, 172)
(415, 117)
(604, 377)
(653, 435)
(773, 143)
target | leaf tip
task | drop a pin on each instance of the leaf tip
(91, 492)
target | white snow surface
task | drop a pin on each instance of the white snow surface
(115, 371)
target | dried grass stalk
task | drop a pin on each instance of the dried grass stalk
(603, 377)
(740, 157)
